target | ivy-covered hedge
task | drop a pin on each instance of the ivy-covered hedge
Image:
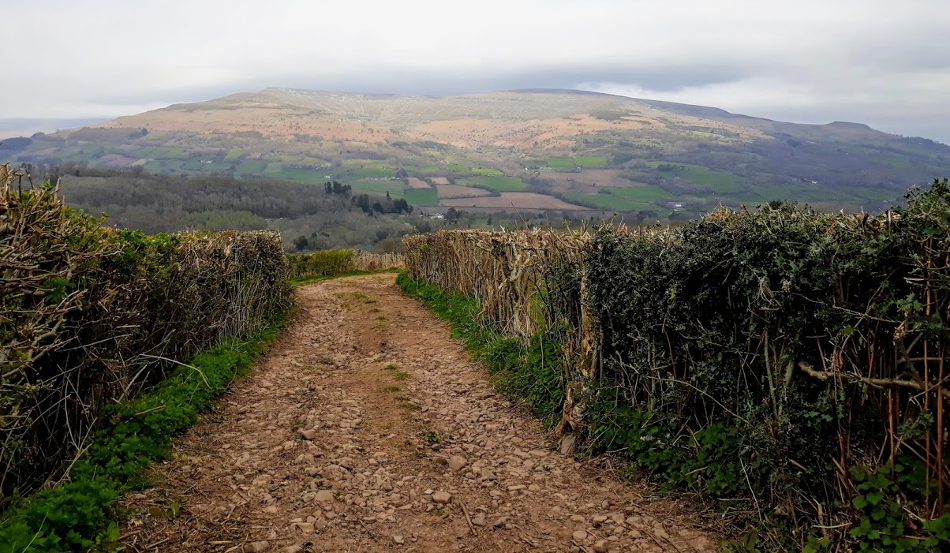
(91, 315)
(788, 362)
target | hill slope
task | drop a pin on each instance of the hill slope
(510, 149)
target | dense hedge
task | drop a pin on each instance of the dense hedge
(79, 515)
(336, 262)
(788, 362)
(91, 315)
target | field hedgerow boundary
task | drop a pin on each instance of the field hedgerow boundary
(92, 316)
(787, 363)
(327, 263)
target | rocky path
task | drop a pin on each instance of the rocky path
(368, 428)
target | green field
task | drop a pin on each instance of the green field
(487, 172)
(496, 183)
(199, 166)
(251, 167)
(872, 194)
(160, 152)
(561, 163)
(645, 194)
(611, 202)
(569, 164)
(370, 172)
(724, 183)
(395, 188)
(308, 176)
(591, 161)
(425, 196)
(164, 166)
(234, 154)
(307, 160)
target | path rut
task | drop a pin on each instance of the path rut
(368, 428)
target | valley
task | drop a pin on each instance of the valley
(585, 154)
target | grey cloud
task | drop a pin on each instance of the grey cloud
(872, 61)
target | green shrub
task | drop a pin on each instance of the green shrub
(322, 263)
(80, 514)
(762, 356)
(96, 315)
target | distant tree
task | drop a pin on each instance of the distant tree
(15, 143)
(452, 216)
(301, 243)
(362, 202)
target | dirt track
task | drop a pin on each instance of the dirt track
(367, 428)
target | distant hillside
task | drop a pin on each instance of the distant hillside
(518, 150)
(309, 217)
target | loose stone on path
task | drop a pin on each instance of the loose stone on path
(321, 444)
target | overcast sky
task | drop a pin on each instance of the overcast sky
(881, 62)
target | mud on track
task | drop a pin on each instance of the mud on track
(368, 428)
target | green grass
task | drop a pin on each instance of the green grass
(395, 188)
(532, 372)
(498, 184)
(591, 161)
(365, 168)
(719, 181)
(80, 514)
(569, 164)
(234, 154)
(423, 196)
(306, 176)
(273, 169)
(163, 166)
(162, 152)
(872, 194)
(643, 194)
(612, 202)
(251, 167)
(199, 166)
(561, 163)
(487, 172)
(371, 172)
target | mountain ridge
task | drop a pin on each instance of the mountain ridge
(524, 149)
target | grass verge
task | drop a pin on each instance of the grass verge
(531, 371)
(80, 514)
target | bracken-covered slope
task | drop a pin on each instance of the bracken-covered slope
(526, 149)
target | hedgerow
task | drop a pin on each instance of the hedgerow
(337, 262)
(80, 514)
(790, 362)
(91, 316)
